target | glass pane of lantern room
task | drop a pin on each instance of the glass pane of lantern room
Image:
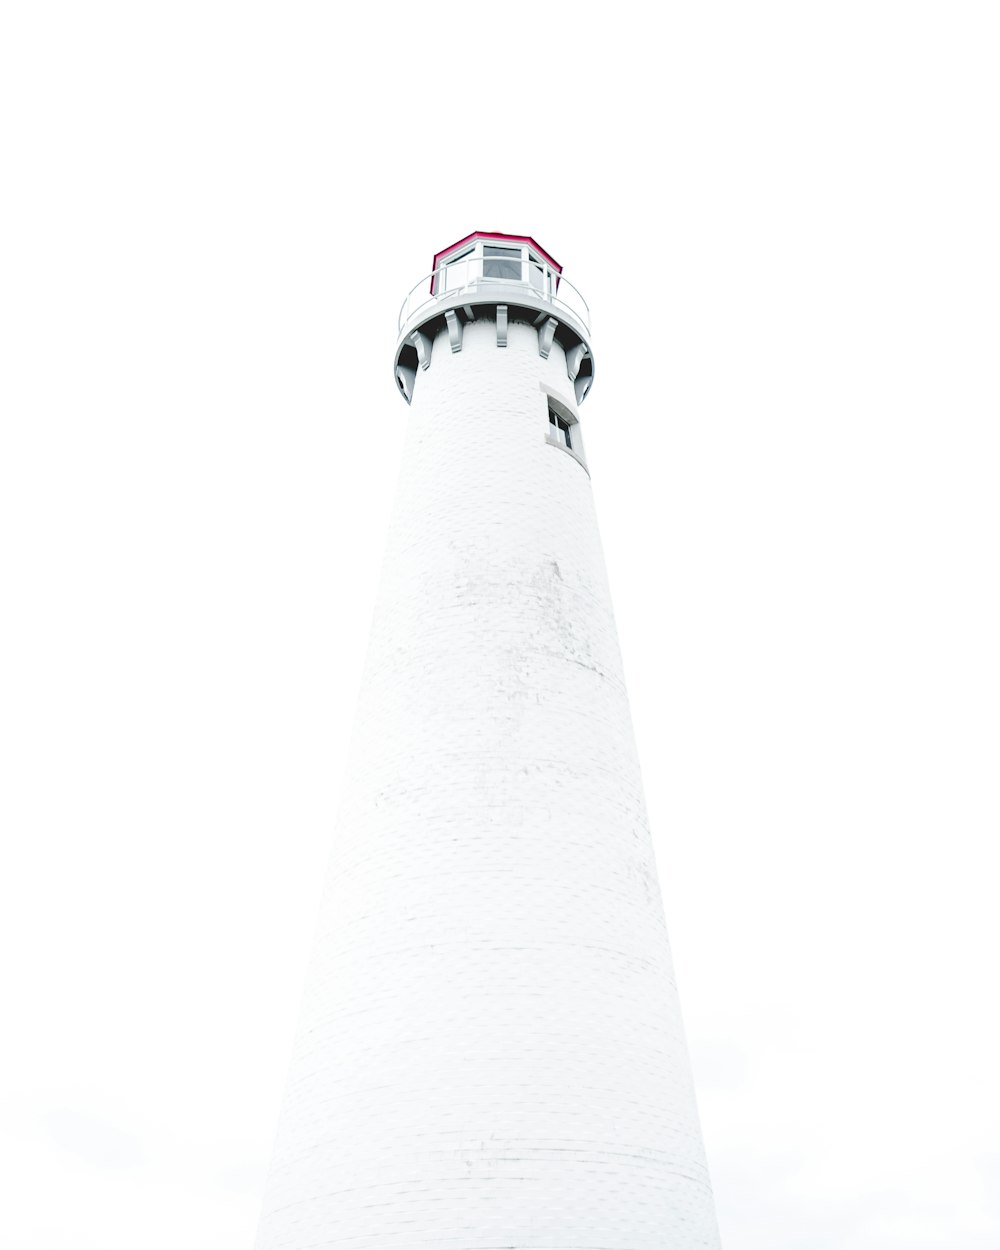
(536, 272)
(459, 271)
(502, 262)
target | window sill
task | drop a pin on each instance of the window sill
(559, 446)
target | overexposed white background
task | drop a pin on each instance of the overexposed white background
(784, 217)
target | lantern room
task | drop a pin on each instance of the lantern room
(488, 257)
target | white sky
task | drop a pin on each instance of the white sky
(785, 219)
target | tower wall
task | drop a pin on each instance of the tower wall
(490, 1053)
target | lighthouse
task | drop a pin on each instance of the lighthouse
(490, 1054)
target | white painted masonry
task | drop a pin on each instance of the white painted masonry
(491, 1054)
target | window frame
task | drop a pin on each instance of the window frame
(460, 258)
(564, 412)
(512, 254)
(562, 428)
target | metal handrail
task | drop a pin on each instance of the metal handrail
(409, 309)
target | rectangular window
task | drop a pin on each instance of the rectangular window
(561, 429)
(502, 262)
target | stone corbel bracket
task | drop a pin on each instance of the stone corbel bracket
(574, 359)
(423, 344)
(546, 333)
(454, 330)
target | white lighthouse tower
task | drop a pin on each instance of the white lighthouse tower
(490, 1055)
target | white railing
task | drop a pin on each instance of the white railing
(466, 274)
